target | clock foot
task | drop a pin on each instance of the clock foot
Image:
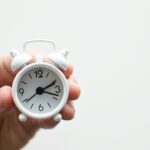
(57, 118)
(22, 118)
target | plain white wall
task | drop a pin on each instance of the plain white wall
(109, 42)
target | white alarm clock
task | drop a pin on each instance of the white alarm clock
(40, 90)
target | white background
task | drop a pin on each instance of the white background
(109, 42)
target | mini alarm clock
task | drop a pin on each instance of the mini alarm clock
(40, 89)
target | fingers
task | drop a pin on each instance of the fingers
(7, 75)
(47, 123)
(68, 72)
(74, 90)
(6, 101)
(68, 112)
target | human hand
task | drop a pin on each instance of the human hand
(14, 134)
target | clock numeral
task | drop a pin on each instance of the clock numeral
(49, 105)
(24, 82)
(31, 106)
(30, 75)
(41, 108)
(21, 91)
(39, 74)
(57, 89)
(55, 98)
(47, 75)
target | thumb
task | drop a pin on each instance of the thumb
(6, 101)
(7, 75)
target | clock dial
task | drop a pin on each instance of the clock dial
(40, 90)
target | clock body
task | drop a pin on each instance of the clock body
(40, 90)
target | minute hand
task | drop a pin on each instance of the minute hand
(51, 93)
(53, 83)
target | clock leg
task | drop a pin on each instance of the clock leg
(57, 117)
(22, 118)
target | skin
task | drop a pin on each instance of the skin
(14, 134)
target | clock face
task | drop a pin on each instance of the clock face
(40, 89)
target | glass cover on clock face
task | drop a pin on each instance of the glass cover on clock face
(40, 90)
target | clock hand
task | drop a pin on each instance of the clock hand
(40, 90)
(26, 100)
(51, 84)
(51, 93)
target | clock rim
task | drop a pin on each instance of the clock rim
(48, 114)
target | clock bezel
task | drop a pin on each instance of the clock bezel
(17, 81)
